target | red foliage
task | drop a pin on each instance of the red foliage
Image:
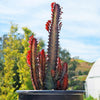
(48, 25)
(52, 4)
(59, 65)
(30, 40)
(52, 9)
(31, 37)
(52, 73)
(65, 82)
(42, 52)
(65, 67)
(29, 57)
(43, 62)
(58, 85)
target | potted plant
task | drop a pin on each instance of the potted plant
(49, 76)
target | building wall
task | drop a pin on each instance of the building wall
(92, 87)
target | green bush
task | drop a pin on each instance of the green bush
(90, 98)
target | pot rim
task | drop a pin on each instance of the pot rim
(51, 92)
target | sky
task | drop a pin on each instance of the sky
(80, 33)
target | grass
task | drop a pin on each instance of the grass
(82, 77)
(80, 60)
(83, 65)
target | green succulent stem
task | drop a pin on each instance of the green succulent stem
(53, 47)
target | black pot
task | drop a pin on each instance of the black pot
(50, 95)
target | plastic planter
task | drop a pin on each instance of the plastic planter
(50, 95)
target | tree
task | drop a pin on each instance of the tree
(80, 72)
(16, 73)
(1, 62)
(1, 55)
(11, 51)
(64, 55)
(73, 65)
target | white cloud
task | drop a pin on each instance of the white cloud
(80, 18)
(10, 11)
(81, 31)
(23, 3)
(7, 18)
(31, 3)
(81, 15)
(85, 51)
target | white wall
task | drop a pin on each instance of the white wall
(93, 87)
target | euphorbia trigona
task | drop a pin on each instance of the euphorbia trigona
(47, 72)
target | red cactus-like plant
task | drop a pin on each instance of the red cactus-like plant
(47, 72)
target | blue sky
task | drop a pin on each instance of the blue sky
(80, 33)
